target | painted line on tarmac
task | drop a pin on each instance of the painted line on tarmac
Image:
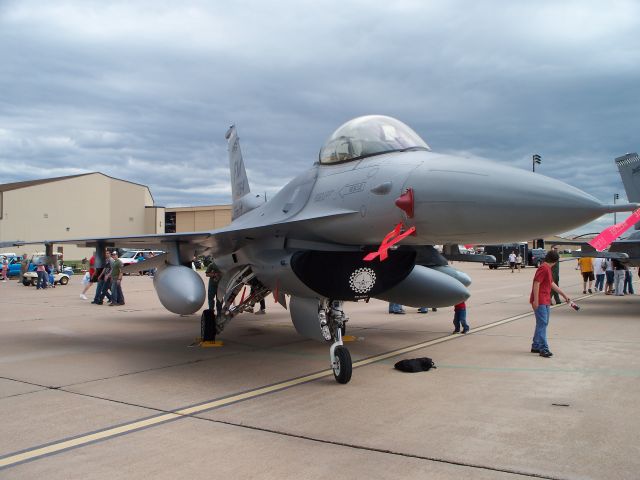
(56, 447)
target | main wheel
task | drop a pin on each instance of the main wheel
(26, 282)
(342, 369)
(63, 280)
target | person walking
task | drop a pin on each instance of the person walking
(540, 300)
(88, 278)
(24, 266)
(104, 280)
(41, 272)
(628, 281)
(512, 260)
(214, 274)
(599, 266)
(609, 276)
(117, 297)
(586, 269)
(519, 262)
(618, 277)
(460, 324)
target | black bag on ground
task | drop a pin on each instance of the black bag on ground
(208, 326)
(415, 365)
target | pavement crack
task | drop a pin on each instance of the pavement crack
(376, 450)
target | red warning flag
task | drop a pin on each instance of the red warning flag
(608, 235)
(390, 239)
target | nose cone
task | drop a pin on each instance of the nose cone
(461, 200)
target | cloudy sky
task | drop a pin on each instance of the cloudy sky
(145, 90)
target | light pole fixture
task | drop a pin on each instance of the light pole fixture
(616, 196)
(536, 159)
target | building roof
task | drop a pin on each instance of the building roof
(5, 187)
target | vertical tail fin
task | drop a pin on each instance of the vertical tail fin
(239, 181)
(629, 168)
(241, 199)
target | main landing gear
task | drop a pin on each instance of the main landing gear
(333, 326)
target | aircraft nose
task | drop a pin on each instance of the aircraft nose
(476, 201)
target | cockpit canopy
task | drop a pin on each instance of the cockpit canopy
(370, 135)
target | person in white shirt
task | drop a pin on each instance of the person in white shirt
(518, 262)
(599, 267)
(512, 260)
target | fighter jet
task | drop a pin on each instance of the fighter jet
(361, 223)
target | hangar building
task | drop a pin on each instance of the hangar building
(92, 205)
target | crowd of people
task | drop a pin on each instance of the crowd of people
(107, 279)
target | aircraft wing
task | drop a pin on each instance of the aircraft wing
(215, 242)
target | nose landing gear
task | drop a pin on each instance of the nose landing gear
(333, 324)
(340, 360)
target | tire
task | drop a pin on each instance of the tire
(33, 282)
(342, 372)
(26, 282)
(63, 280)
(208, 326)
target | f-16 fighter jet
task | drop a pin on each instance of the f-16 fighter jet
(361, 223)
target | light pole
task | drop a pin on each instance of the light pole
(536, 159)
(616, 196)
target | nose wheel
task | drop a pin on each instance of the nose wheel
(340, 360)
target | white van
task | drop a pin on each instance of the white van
(135, 256)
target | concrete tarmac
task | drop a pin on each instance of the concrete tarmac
(99, 392)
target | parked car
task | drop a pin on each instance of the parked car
(133, 256)
(536, 256)
(31, 278)
(14, 266)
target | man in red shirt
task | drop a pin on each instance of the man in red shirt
(540, 300)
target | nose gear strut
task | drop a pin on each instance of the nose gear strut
(333, 325)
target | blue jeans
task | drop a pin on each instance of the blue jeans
(117, 296)
(102, 290)
(628, 282)
(600, 281)
(609, 274)
(460, 320)
(42, 280)
(540, 334)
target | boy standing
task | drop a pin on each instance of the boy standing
(540, 300)
(460, 318)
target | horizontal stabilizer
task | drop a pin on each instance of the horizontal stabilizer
(595, 254)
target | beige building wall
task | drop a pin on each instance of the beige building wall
(204, 218)
(128, 202)
(154, 220)
(92, 205)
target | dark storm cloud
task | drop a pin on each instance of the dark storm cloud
(144, 91)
